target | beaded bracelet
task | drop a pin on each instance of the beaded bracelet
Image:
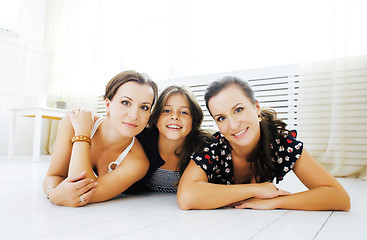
(80, 138)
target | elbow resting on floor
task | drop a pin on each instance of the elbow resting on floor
(343, 200)
(347, 204)
(339, 200)
(185, 200)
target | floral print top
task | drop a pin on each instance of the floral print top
(216, 158)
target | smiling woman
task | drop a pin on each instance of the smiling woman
(252, 149)
(97, 158)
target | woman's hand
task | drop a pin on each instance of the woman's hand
(82, 121)
(269, 190)
(259, 204)
(74, 191)
(263, 199)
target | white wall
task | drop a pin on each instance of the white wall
(23, 71)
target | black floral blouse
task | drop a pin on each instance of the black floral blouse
(216, 158)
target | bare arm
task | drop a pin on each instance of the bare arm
(325, 192)
(195, 192)
(82, 122)
(63, 188)
(132, 169)
(71, 172)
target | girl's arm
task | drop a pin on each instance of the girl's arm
(195, 192)
(63, 188)
(325, 192)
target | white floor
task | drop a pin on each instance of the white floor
(26, 214)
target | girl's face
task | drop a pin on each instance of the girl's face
(236, 116)
(130, 108)
(175, 121)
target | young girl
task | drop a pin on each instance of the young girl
(173, 135)
(251, 150)
(97, 158)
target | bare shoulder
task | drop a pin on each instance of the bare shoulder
(137, 153)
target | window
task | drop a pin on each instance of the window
(9, 15)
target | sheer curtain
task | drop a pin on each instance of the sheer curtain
(93, 40)
(332, 105)
(332, 113)
(73, 33)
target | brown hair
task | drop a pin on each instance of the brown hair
(129, 76)
(196, 136)
(270, 128)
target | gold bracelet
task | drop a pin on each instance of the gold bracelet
(80, 138)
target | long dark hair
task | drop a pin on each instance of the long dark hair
(196, 136)
(270, 128)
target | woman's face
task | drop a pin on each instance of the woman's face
(175, 121)
(130, 108)
(236, 116)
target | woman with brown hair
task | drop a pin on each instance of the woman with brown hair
(251, 150)
(96, 158)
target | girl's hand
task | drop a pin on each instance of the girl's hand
(269, 190)
(82, 121)
(74, 191)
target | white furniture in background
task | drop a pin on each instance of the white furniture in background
(275, 87)
(38, 113)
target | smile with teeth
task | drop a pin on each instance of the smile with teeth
(240, 132)
(174, 127)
